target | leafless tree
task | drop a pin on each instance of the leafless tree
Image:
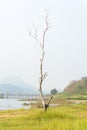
(41, 43)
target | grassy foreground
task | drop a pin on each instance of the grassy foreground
(71, 117)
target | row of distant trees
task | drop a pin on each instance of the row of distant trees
(54, 91)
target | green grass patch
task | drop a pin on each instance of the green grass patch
(68, 117)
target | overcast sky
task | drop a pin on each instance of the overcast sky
(66, 41)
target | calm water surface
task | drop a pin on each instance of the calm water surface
(10, 104)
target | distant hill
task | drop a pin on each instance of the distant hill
(15, 86)
(77, 87)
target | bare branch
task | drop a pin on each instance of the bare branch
(45, 30)
(35, 37)
(44, 76)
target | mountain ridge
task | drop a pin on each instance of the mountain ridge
(77, 86)
(16, 86)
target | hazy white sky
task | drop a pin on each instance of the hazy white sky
(66, 41)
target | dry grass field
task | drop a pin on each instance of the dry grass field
(65, 117)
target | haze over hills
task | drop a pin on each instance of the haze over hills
(15, 85)
(77, 87)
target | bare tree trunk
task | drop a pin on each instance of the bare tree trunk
(42, 47)
(42, 77)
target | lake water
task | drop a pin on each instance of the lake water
(11, 104)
